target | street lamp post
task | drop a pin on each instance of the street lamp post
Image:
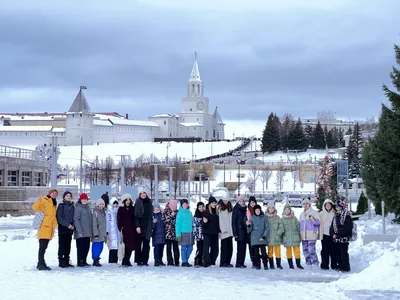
(189, 175)
(122, 172)
(170, 182)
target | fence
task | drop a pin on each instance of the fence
(8, 151)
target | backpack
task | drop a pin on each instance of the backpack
(354, 232)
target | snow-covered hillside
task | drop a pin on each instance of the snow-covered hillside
(375, 274)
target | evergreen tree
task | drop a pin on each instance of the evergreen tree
(271, 140)
(353, 152)
(286, 128)
(332, 138)
(319, 137)
(362, 205)
(341, 138)
(296, 139)
(349, 131)
(309, 133)
(383, 159)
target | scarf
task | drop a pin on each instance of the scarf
(343, 214)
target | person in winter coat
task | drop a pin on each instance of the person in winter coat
(106, 199)
(47, 205)
(211, 231)
(341, 231)
(259, 231)
(99, 231)
(327, 252)
(225, 225)
(275, 235)
(309, 232)
(249, 214)
(127, 226)
(65, 220)
(158, 236)
(198, 234)
(169, 219)
(113, 235)
(291, 236)
(239, 230)
(184, 232)
(144, 224)
(83, 229)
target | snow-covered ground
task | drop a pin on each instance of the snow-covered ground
(375, 273)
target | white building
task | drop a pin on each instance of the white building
(79, 123)
(328, 119)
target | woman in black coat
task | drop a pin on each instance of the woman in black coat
(341, 231)
(211, 232)
(126, 225)
(240, 231)
(65, 220)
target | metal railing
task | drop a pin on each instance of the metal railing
(15, 152)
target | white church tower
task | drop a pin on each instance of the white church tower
(79, 121)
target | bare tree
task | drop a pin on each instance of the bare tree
(295, 176)
(280, 180)
(107, 171)
(265, 176)
(179, 174)
(252, 180)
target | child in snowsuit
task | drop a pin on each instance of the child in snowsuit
(113, 235)
(291, 236)
(198, 234)
(99, 231)
(169, 219)
(184, 232)
(275, 235)
(158, 236)
(259, 231)
(309, 232)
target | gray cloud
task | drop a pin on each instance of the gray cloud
(136, 57)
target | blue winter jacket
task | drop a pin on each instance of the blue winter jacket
(158, 235)
(184, 222)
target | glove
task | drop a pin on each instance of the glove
(155, 221)
(179, 239)
(263, 237)
(236, 238)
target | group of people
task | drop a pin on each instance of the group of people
(130, 226)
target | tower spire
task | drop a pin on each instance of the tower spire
(195, 74)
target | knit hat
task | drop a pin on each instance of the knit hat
(199, 204)
(257, 207)
(156, 204)
(252, 199)
(83, 196)
(173, 205)
(271, 204)
(51, 191)
(184, 201)
(212, 200)
(225, 196)
(66, 193)
(339, 203)
(126, 196)
(238, 198)
(100, 201)
(306, 201)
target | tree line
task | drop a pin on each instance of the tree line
(380, 165)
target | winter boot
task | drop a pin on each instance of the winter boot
(298, 264)
(96, 263)
(68, 264)
(161, 263)
(43, 267)
(278, 263)
(157, 263)
(62, 263)
(290, 261)
(271, 263)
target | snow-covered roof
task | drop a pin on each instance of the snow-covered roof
(102, 123)
(163, 116)
(32, 118)
(126, 122)
(190, 124)
(25, 128)
(58, 129)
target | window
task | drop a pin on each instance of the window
(26, 179)
(165, 122)
(1, 177)
(12, 178)
(37, 180)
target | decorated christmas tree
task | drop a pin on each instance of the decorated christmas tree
(326, 181)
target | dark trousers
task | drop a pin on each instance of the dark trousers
(328, 253)
(264, 256)
(343, 256)
(240, 253)
(226, 252)
(82, 248)
(172, 246)
(113, 256)
(127, 258)
(64, 246)
(143, 252)
(158, 252)
(43, 243)
(210, 249)
(198, 260)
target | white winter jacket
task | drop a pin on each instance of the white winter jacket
(225, 224)
(112, 228)
(326, 218)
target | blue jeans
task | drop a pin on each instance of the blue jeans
(97, 248)
(185, 252)
(158, 251)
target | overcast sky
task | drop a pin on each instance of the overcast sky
(254, 56)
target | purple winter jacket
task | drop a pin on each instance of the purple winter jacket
(309, 225)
